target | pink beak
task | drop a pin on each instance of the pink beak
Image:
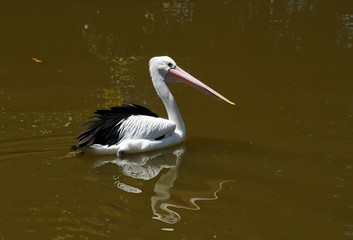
(179, 75)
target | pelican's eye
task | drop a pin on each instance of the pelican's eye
(170, 64)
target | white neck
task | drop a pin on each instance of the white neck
(169, 102)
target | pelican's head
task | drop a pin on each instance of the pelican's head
(161, 65)
(164, 71)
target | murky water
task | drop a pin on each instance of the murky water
(278, 166)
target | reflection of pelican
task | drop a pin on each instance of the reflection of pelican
(149, 165)
(132, 128)
(161, 203)
(144, 166)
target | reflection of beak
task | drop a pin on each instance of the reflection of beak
(179, 75)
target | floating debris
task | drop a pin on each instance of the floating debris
(36, 60)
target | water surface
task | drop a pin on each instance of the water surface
(278, 166)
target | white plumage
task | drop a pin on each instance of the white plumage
(145, 127)
(132, 128)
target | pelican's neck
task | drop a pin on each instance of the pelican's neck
(169, 103)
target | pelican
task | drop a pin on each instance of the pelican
(130, 128)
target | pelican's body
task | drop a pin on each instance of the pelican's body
(133, 128)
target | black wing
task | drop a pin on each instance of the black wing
(103, 129)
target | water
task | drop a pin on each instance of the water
(278, 166)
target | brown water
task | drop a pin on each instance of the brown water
(278, 166)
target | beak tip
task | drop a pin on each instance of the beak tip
(231, 103)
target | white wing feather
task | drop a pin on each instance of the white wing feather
(145, 127)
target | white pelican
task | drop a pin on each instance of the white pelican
(131, 128)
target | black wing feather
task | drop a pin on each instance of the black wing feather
(103, 128)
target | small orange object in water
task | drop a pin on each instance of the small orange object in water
(36, 60)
